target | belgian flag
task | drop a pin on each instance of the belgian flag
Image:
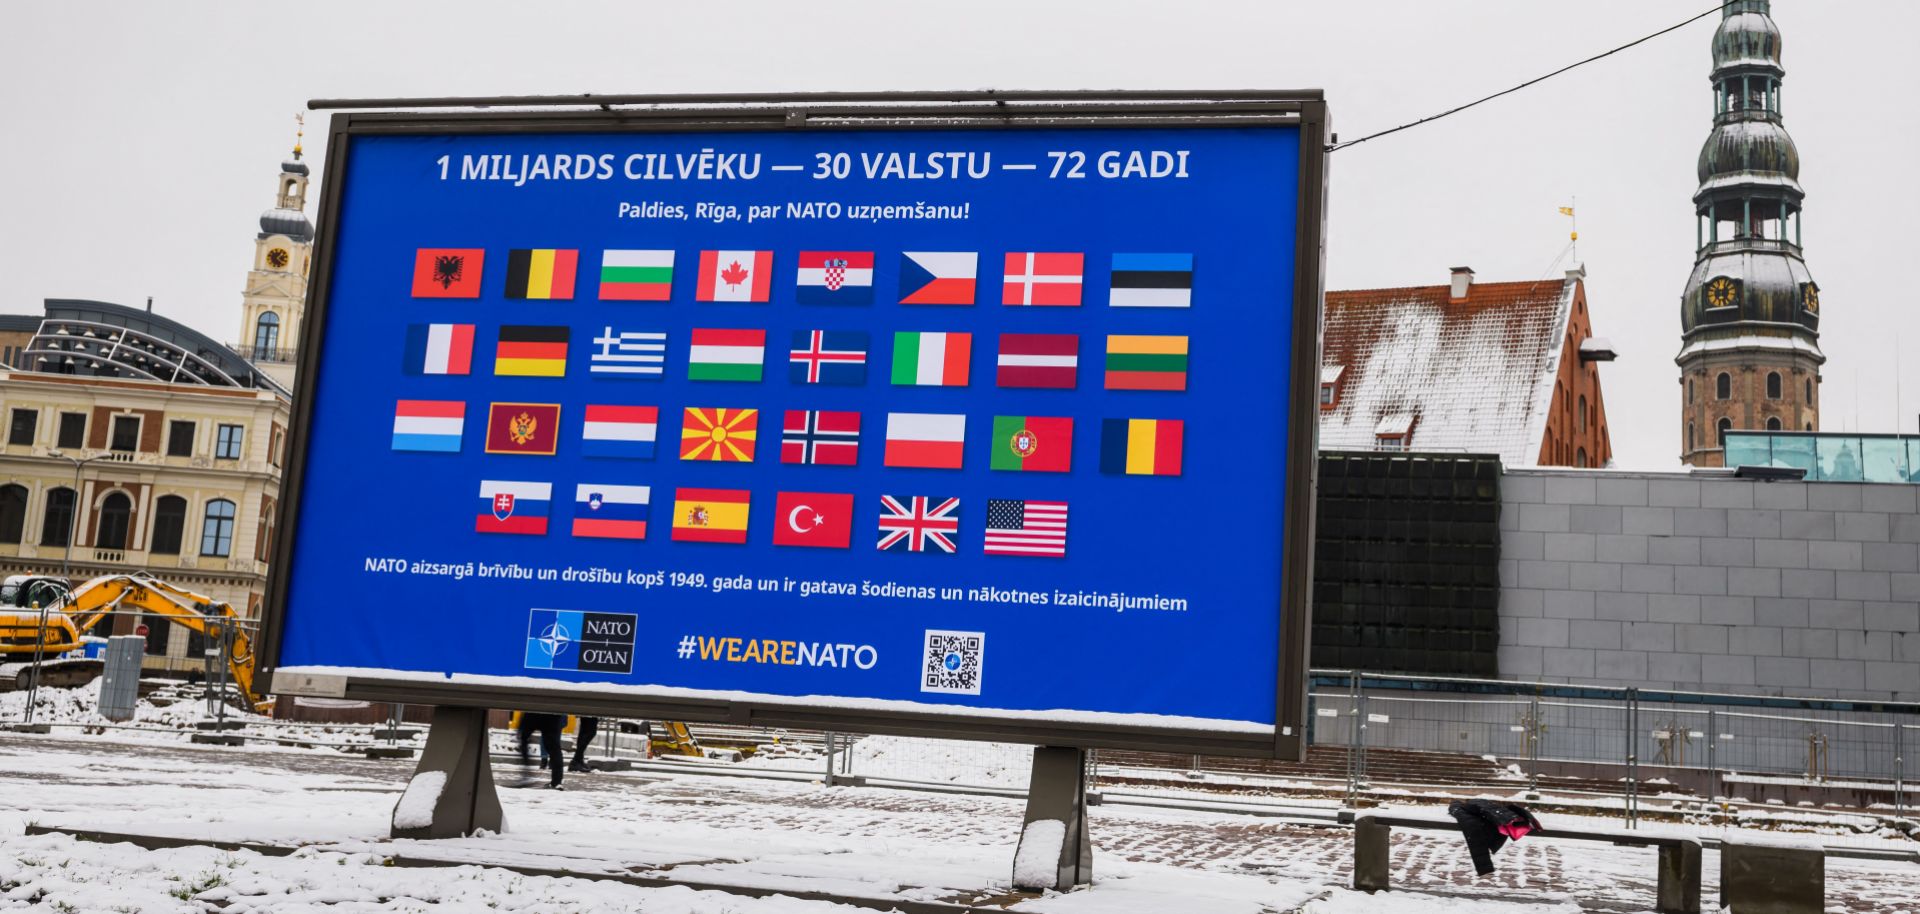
(539, 352)
(541, 273)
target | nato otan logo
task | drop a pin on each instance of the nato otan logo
(560, 639)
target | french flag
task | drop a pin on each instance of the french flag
(611, 512)
(439, 349)
(513, 507)
(429, 425)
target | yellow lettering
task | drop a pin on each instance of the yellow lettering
(710, 648)
(770, 649)
(753, 652)
(733, 650)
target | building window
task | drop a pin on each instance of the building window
(1580, 422)
(179, 438)
(1580, 458)
(216, 535)
(1726, 425)
(1723, 386)
(1390, 442)
(13, 513)
(1689, 437)
(227, 446)
(116, 514)
(126, 433)
(1773, 424)
(157, 631)
(1326, 396)
(72, 432)
(57, 522)
(266, 335)
(1689, 390)
(20, 431)
(1773, 385)
(1809, 400)
(169, 521)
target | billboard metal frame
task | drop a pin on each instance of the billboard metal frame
(840, 112)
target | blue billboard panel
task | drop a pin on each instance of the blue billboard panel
(967, 421)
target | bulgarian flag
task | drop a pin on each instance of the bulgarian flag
(636, 275)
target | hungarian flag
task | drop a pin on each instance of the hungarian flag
(1038, 360)
(938, 277)
(513, 507)
(439, 349)
(620, 431)
(1041, 444)
(710, 515)
(930, 440)
(527, 351)
(429, 425)
(523, 428)
(827, 437)
(723, 435)
(1141, 447)
(636, 275)
(734, 276)
(837, 357)
(1146, 363)
(726, 355)
(610, 512)
(541, 272)
(835, 278)
(931, 359)
(447, 272)
(1152, 281)
(822, 519)
(1034, 278)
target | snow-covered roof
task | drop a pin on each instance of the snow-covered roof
(1330, 374)
(1473, 375)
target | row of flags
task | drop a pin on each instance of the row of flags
(915, 523)
(1128, 446)
(830, 357)
(1028, 278)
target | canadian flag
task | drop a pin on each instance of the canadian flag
(735, 276)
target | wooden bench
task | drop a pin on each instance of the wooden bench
(1679, 886)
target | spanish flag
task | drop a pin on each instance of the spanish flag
(541, 273)
(710, 515)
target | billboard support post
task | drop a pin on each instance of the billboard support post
(457, 750)
(1056, 796)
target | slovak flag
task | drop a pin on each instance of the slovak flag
(611, 512)
(938, 277)
(513, 507)
(835, 278)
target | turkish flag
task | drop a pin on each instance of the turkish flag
(822, 519)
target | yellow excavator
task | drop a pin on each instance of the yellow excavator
(27, 645)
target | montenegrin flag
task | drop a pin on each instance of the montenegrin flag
(734, 276)
(636, 275)
(541, 272)
(710, 515)
(513, 507)
(610, 511)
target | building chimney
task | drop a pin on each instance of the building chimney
(1462, 281)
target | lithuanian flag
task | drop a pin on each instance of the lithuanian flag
(1146, 363)
(539, 352)
(710, 515)
(541, 273)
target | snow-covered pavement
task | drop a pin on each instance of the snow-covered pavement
(788, 836)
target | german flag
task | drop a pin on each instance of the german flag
(541, 273)
(539, 352)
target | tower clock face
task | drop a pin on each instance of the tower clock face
(1810, 295)
(277, 258)
(1721, 292)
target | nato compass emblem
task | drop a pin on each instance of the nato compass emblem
(585, 642)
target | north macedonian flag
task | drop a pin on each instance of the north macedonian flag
(710, 515)
(541, 272)
(447, 272)
(528, 351)
(523, 428)
(724, 435)
(1141, 447)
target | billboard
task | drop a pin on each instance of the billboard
(923, 417)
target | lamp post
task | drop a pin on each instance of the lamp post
(73, 516)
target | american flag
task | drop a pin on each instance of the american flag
(918, 524)
(1026, 527)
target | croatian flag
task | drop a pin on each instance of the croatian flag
(610, 512)
(429, 425)
(835, 278)
(513, 507)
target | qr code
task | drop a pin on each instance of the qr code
(953, 661)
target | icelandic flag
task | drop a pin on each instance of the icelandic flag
(837, 357)
(620, 431)
(610, 512)
(513, 507)
(835, 278)
(439, 349)
(429, 425)
(938, 277)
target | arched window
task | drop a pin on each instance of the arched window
(1726, 425)
(1773, 385)
(1773, 424)
(1580, 422)
(56, 522)
(1580, 458)
(266, 335)
(116, 513)
(169, 521)
(216, 534)
(1809, 394)
(1723, 386)
(1809, 426)
(13, 513)
(1689, 390)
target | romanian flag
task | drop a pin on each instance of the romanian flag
(636, 275)
(541, 273)
(724, 435)
(1141, 447)
(1146, 363)
(710, 515)
(539, 352)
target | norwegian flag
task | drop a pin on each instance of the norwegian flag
(823, 437)
(918, 524)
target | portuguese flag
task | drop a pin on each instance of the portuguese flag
(1042, 444)
(636, 275)
(1146, 363)
(541, 273)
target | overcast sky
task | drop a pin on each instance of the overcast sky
(142, 139)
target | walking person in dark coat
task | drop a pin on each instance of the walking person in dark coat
(1487, 825)
(549, 727)
(582, 738)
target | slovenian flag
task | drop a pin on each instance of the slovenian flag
(429, 425)
(610, 512)
(938, 277)
(835, 278)
(439, 349)
(620, 431)
(513, 507)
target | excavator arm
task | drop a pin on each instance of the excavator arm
(99, 598)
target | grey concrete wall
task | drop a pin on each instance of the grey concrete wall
(1668, 580)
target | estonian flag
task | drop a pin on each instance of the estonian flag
(1152, 281)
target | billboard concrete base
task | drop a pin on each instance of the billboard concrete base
(1055, 850)
(456, 750)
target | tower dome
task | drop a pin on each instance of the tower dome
(1747, 37)
(288, 222)
(1739, 147)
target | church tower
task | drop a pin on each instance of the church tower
(276, 292)
(1750, 317)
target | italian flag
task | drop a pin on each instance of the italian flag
(726, 355)
(931, 359)
(636, 275)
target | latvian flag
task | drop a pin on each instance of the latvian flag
(610, 512)
(931, 359)
(1152, 281)
(835, 278)
(734, 276)
(938, 277)
(930, 440)
(626, 432)
(1034, 278)
(513, 507)
(636, 275)
(726, 355)
(541, 273)
(439, 349)
(1038, 360)
(823, 437)
(429, 425)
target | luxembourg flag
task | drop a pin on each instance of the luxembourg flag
(938, 277)
(835, 278)
(429, 425)
(610, 512)
(507, 506)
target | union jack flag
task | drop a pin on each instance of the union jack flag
(918, 524)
